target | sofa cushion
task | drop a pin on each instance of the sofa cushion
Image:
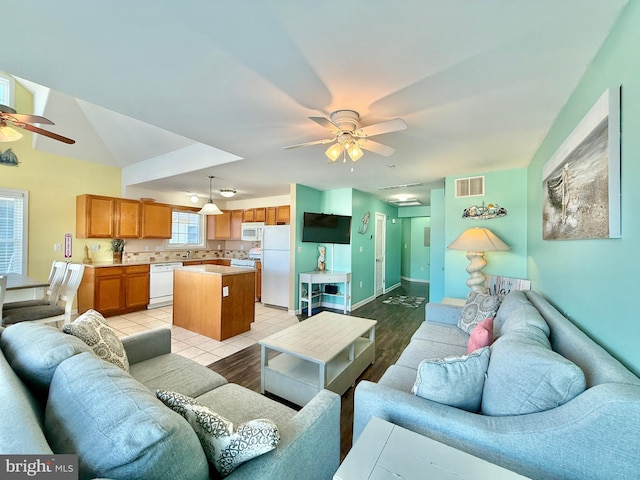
(225, 448)
(21, 417)
(516, 313)
(477, 307)
(92, 329)
(399, 377)
(37, 312)
(419, 350)
(116, 426)
(177, 373)
(455, 381)
(35, 350)
(525, 376)
(442, 333)
(481, 335)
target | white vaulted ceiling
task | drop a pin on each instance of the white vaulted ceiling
(175, 91)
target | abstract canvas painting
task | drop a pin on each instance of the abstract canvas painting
(581, 181)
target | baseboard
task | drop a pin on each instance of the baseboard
(392, 287)
(416, 280)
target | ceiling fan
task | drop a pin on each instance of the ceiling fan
(9, 116)
(350, 138)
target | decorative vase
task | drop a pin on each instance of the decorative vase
(117, 257)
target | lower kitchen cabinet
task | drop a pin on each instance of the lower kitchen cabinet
(114, 290)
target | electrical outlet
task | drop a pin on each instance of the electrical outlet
(57, 247)
(360, 283)
(146, 248)
(95, 247)
(361, 249)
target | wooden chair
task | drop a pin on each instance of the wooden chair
(53, 312)
(56, 276)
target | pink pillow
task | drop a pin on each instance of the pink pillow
(481, 335)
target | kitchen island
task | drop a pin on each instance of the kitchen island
(214, 300)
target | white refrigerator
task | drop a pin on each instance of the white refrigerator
(275, 265)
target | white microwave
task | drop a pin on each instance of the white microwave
(252, 231)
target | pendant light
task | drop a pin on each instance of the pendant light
(210, 208)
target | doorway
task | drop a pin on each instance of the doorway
(379, 238)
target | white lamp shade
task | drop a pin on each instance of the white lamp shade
(227, 192)
(354, 151)
(210, 208)
(478, 239)
(8, 134)
(334, 151)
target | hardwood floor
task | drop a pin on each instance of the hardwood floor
(395, 326)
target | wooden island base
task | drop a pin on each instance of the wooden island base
(214, 300)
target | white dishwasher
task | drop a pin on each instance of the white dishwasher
(161, 283)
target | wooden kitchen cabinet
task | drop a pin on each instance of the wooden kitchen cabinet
(260, 214)
(248, 215)
(156, 220)
(94, 216)
(127, 218)
(219, 226)
(114, 290)
(278, 215)
(236, 224)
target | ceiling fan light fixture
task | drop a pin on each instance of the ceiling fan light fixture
(354, 151)
(227, 192)
(210, 208)
(8, 134)
(334, 151)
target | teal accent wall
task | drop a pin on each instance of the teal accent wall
(359, 256)
(415, 256)
(436, 253)
(507, 188)
(591, 281)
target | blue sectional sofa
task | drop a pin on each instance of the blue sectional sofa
(58, 396)
(555, 405)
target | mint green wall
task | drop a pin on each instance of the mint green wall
(436, 273)
(508, 189)
(592, 281)
(415, 256)
(348, 257)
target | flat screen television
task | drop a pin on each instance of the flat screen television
(326, 228)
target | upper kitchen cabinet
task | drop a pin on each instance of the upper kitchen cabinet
(227, 226)
(255, 215)
(128, 214)
(278, 215)
(156, 220)
(94, 216)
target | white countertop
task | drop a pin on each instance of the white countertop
(216, 269)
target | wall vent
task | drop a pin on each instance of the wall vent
(469, 187)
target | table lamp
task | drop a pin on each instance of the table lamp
(476, 241)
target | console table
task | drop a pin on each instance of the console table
(321, 278)
(385, 450)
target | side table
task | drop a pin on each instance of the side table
(387, 451)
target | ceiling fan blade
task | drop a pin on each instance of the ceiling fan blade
(24, 118)
(375, 147)
(5, 109)
(308, 144)
(326, 123)
(382, 127)
(46, 133)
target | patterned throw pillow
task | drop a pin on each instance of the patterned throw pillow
(477, 307)
(454, 381)
(225, 449)
(92, 329)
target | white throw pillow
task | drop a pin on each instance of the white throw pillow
(225, 449)
(454, 381)
(92, 329)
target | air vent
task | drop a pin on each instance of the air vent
(469, 187)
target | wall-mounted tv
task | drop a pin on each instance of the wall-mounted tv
(326, 228)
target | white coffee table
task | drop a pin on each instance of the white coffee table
(327, 350)
(385, 451)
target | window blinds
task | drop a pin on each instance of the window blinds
(12, 231)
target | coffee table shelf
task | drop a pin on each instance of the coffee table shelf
(326, 351)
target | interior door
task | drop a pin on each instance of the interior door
(380, 235)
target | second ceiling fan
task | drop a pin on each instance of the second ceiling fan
(350, 138)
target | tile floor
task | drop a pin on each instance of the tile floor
(199, 348)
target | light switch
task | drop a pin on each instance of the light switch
(225, 291)
(57, 247)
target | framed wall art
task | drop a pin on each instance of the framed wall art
(581, 181)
